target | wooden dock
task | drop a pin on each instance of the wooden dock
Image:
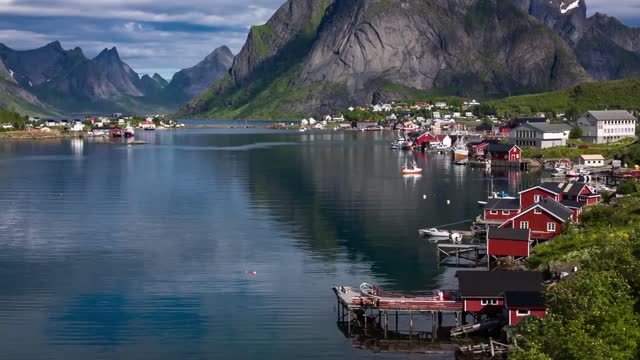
(470, 252)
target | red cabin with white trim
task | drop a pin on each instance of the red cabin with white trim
(508, 242)
(519, 305)
(545, 219)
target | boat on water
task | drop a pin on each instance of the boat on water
(408, 145)
(411, 169)
(460, 150)
(129, 132)
(399, 142)
(433, 232)
(115, 133)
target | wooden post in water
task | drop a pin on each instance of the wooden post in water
(410, 325)
(386, 323)
(396, 321)
(365, 321)
(349, 321)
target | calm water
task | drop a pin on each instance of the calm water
(147, 252)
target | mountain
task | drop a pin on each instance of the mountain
(35, 67)
(605, 47)
(15, 98)
(192, 82)
(152, 85)
(319, 56)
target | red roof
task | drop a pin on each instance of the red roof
(441, 137)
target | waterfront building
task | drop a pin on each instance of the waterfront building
(518, 305)
(539, 135)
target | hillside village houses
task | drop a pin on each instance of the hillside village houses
(540, 135)
(606, 126)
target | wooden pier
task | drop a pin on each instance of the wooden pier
(470, 252)
(370, 313)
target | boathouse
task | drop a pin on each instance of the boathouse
(501, 209)
(499, 152)
(482, 292)
(426, 140)
(503, 242)
(545, 219)
(520, 304)
(573, 191)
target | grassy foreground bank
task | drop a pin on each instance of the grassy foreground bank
(594, 313)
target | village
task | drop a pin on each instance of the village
(502, 238)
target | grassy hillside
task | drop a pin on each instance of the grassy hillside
(619, 94)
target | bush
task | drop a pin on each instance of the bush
(583, 146)
(627, 187)
(576, 133)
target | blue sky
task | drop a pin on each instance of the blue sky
(163, 35)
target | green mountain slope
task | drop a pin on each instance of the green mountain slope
(618, 94)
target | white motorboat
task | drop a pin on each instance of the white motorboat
(433, 232)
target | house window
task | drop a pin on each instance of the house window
(551, 227)
(537, 211)
(494, 212)
(523, 312)
(505, 212)
(485, 302)
(537, 198)
(524, 225)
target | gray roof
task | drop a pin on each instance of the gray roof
(474, 284)
(508, 234)
(611, 115)
(524, 299)
(554, 187)
(574, 189)
(548, 128)
(572, 204)
(500, 147)
(503, 204)
(556, 208)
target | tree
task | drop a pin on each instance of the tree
(627, 187)
(576, 133)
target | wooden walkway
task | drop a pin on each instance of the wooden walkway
(470, 252)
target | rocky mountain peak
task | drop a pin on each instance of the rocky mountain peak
(195, 80)
(108, 55)
(54, 45)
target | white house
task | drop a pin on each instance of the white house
(7, 126)
(600, 127)
(441, 105)
(591, 160)
(468, 114)
(456, 114)
(77, 126)
(376, 108)
(540, 135)
(436, 115)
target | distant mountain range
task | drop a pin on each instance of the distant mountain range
(316, 56)
(53, 80)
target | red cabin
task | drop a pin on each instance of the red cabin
(425, 140)
(535, 194)
(508, 242)
(545, 219)
(501, 209)
(520, 304)
(499, 152)
(482, 291)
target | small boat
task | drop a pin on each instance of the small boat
(460, 150)
(412, 169)
(399, 142)
(302, 130)
(129, 132)
(433, 232)
(408, 145)
(115, 132)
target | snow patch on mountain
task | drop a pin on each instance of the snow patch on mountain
(573, 5)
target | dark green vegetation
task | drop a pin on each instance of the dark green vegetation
(619, 94)
(8, 117)
(594, 313)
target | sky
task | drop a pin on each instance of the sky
(164, 35)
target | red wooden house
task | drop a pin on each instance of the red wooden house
(545, 219)
(425, 140)
(478, 149)
(580, 192)
(576, 207)
(575, 191)
(482, 292)
(499, 152)
(508, 242)
(520, 304)
(501, 209)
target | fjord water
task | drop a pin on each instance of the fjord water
(148, 252)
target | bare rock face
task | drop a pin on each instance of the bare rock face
(355, 51)
(195, 80)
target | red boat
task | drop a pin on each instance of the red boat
(115, 133)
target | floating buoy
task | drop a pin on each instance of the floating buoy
(254, 273)
(448, 202)
(424, 197)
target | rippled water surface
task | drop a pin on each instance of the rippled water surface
(148, 252)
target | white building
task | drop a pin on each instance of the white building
(540, 135)
(591, 160)
(78, 126)
(441, 105)
(602, 127)
(436, 115)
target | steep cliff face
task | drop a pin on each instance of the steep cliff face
(195, 80)
(38, 66)
(360, 51)
(604, 46)
(151, 85)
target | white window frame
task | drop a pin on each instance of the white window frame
(493, 212)
(551, 227)
(524, 225)
(506, 212)
(486, 302)
(537, 198)
(537, 211)
(523, 313)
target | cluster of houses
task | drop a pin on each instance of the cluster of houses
(514, 225)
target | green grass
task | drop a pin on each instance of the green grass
(564, 152)
(618, 94)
